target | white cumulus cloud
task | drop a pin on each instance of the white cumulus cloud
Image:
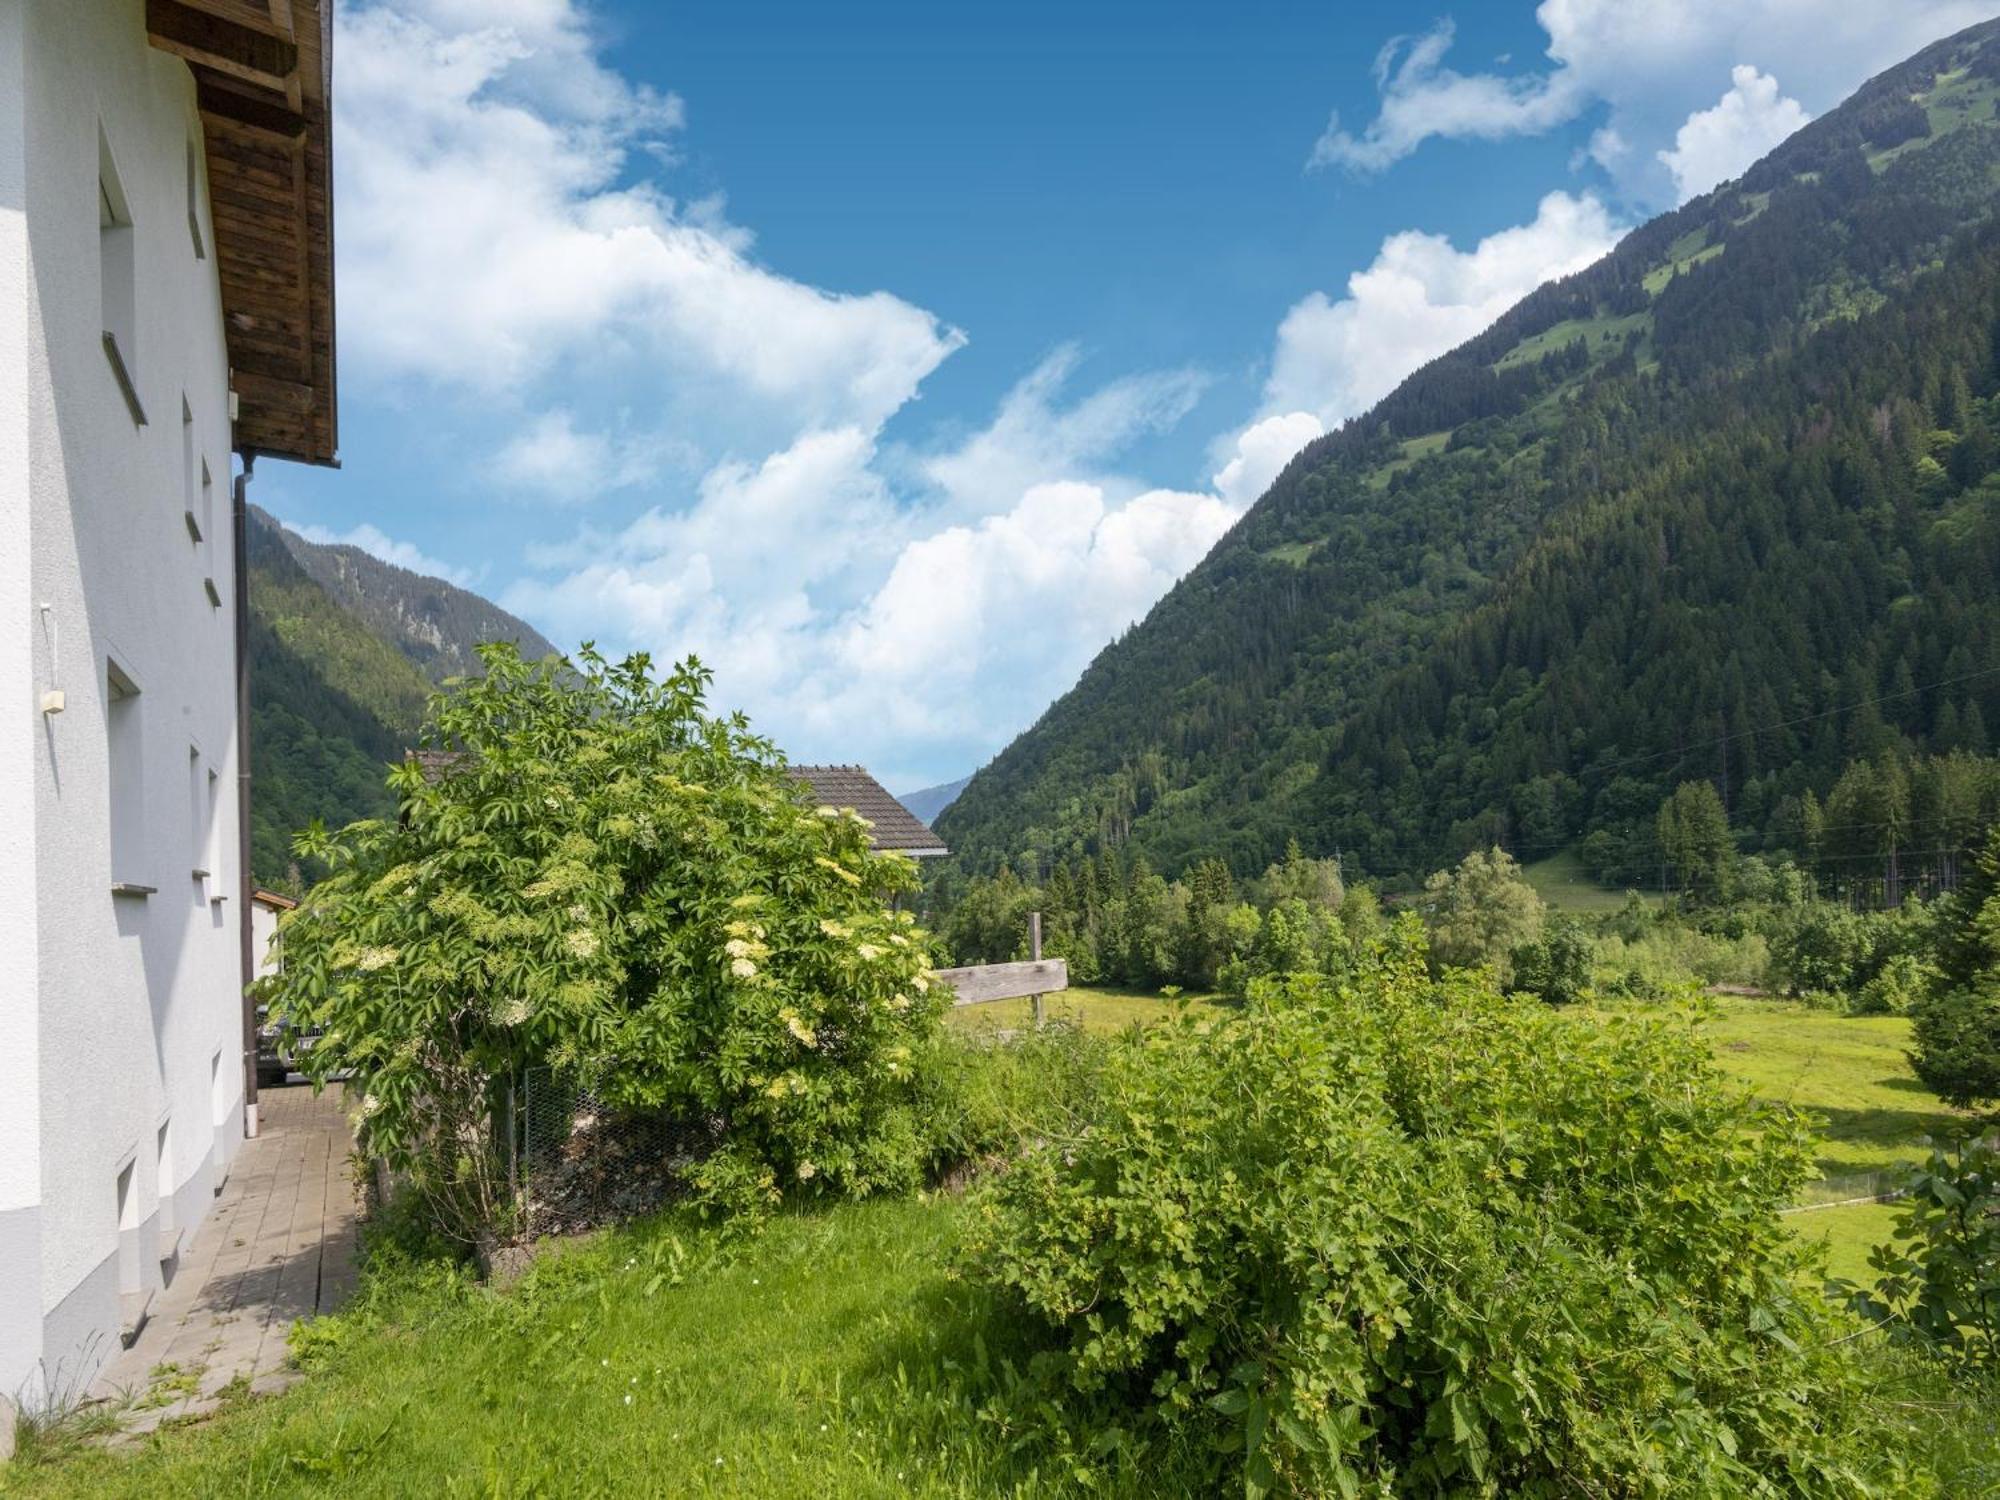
(1648, 66)
(551, 457)
(492, 230)
(1259, 453)
(1422, 98)
(1418, 298)
(1714, 145)
(1048, 581)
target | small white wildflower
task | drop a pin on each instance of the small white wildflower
(628, 1398)
(605, 1362)
(742, 968)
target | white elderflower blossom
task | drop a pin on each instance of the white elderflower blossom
(513, 1013)
(742, 968)
(798, 1028)
(868, 952)
(899, 940)
(370, 1105)
(582, 942)
(807, 1171)
(828, 812)
(737, 948)
(371, 959)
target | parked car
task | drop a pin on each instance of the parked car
(277, 1057)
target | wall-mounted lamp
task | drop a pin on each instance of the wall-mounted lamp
(52, 700)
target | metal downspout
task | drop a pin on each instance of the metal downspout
(239, 520)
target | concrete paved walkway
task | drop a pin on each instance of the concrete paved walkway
(277, 1246)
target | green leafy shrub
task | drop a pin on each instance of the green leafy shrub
(1668, 953)
(1902, 981)
(1940, 1277)
(597, 876)
(1408, 1236)
(1557, 965)
(981, 1098)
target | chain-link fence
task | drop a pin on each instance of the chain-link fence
(580, 1164)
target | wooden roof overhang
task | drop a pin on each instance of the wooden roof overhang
(263, 72)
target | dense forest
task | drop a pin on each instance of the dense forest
(344, 652)
(1724, 506)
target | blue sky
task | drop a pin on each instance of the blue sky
(894, 357)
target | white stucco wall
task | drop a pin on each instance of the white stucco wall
(132, 998)
(264, 936)
(20, 1093)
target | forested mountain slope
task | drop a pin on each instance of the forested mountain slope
(338, 680)
(1725, 505)
(434, 623)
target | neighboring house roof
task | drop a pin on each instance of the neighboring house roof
(263, 74)
(895, 826)
(272, 899)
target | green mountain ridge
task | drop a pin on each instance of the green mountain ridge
(1723, 505)
(434, 623)
(344, 652)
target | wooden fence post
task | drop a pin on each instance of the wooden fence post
(1035, 953)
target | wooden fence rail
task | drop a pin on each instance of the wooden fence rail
(983, 982)
(1035, 978)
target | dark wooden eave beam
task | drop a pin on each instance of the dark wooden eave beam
(257, 109)
(235, 40)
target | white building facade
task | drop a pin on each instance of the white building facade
(122, 1035)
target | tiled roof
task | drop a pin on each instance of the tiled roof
(895, 826)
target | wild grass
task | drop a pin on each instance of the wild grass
(837, 1354)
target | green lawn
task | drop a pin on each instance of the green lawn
(1561, 882)
(835, 1355)
(1849, 1232)
(1851, 1071)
